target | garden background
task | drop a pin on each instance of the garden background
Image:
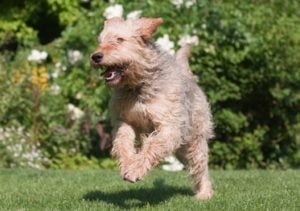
(53, 105)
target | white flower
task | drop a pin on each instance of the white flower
(12, 165)
(20, 130)
(134, 14)
(70, 107)
(18, 147)
(174, 164)
(74, 56)
(34, 154)
(34, 165)
(189, 3)
(76, 113)
(57, 69)
(166, 44)
(187, 39)
(203, 26)
(78, 96)
(37, 56)
(55, 89)
(177, 3)
(27, 156)
(57, 65)
(1, 134)
(113, 11)
(170, 159)
(45, 160)
(55, 73)
(7, 134)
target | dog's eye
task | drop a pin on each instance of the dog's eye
(120, 39)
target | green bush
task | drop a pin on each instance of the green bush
(247, 63)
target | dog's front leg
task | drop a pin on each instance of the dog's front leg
(123, 146)
(156, 146)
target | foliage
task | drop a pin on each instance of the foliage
(16, 149)
(252, 78)
(79, 162)
(247, 63)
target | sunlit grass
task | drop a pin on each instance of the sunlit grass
(105, 190)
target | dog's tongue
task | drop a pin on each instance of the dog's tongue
(109, 75)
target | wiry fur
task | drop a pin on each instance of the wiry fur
(157, 103)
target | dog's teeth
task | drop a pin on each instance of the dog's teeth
(110, 75)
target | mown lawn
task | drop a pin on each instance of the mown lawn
(104, 190)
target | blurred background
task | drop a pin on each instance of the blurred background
(53, 105)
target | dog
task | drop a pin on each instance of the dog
(157, 108)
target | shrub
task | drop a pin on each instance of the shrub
(16, 149)
(247, 62)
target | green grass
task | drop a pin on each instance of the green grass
(104, 190)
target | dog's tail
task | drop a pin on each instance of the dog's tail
(182, 58)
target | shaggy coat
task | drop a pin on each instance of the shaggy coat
(157, 107)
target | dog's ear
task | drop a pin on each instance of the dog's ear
(147, 26)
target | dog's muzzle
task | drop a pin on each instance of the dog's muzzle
(97, 57)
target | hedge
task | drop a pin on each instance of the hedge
(247, 62)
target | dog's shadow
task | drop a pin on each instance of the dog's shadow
(126, 199)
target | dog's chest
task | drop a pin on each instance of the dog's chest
(135, 113)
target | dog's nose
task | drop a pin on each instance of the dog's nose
(97, 57)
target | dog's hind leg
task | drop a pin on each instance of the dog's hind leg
(195, 156)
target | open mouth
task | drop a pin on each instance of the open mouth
(113, 73)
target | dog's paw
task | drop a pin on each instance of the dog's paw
(132, 177)
(204, 195)
(135, 171)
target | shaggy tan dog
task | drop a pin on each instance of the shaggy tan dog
(157, 108)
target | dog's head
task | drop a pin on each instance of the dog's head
(123, 45)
